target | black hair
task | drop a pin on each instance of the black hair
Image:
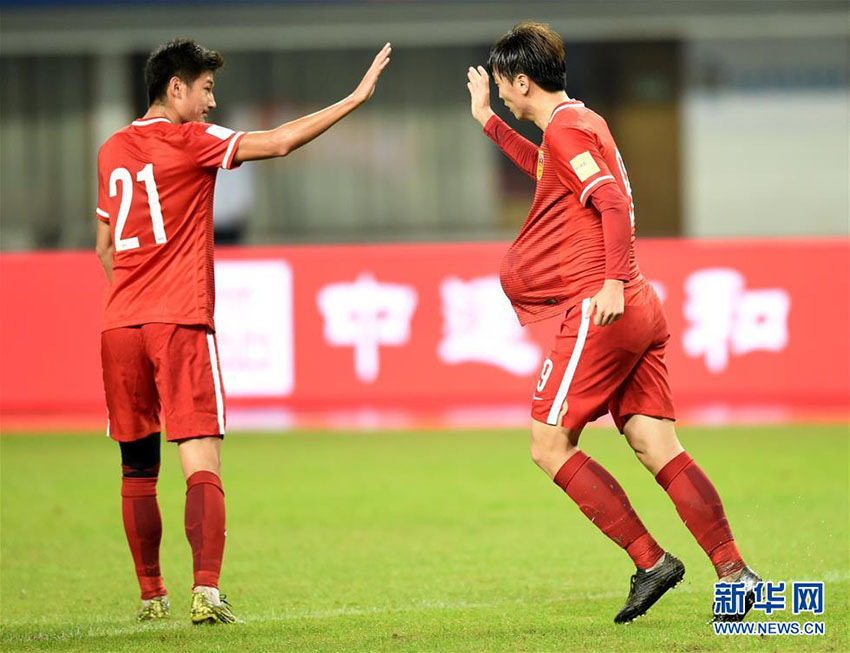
(533, 49)
(181, 57)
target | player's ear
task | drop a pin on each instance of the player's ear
(521, 82)
(175, 87)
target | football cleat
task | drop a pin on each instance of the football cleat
(649, 585)
(750, 580)
(205, 611)
(158, 607)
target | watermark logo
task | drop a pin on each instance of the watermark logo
(808, 597)
(769, 598)
(729, 598)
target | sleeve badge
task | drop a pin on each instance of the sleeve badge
(584, 166)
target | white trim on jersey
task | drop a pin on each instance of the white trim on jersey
(149, 121)
(101, 213)
(564, 388)
(228, 156)
(591, 185)
(219, 402)
(567, 104)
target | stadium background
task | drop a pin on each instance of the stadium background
(732, 118)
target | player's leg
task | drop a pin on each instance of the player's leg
(696, 499)
(692, 492)
(585, 366)
(597, 494)
(189, 380)
(143, 522)
(643, 412)
(133, 421)
(604, 502)
(584, 369)
(205, 509)
(205, 526)
(595, 364)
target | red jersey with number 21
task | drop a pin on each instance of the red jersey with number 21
(155, 190)
(558, 258)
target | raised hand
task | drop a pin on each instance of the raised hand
(367, 85)
(479, 93)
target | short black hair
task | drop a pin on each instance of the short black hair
(533, 49)
(181, 57)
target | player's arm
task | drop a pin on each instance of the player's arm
(518, 149)
(581, 167)
(104, 247)
(292, 135)
(613, 207)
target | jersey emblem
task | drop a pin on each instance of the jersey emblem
(584, 166)
(539, 164)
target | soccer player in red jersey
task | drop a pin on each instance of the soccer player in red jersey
(155, 240)
(574, 257)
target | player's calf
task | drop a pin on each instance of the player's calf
(140, 511)
(205, 526)
(604, 502)
(700, 508)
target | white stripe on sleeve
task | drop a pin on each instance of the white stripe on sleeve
(591, 185)
(228, 156)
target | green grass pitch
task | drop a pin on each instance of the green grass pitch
(416, 541)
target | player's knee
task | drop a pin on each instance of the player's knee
(539, 453)
(640, 445)
(644, 450)
(654, 441)
(140, 459)
(550, 446)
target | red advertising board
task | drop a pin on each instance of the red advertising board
(329, 328)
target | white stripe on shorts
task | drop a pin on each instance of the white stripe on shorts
(219, 403)
(564, 388)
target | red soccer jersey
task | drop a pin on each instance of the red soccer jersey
(155, 190)
(558, 258)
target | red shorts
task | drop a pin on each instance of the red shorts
(619, 368)
(168, 365)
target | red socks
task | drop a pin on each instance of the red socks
(204, 529)
(604, 503)
(143, 526)
(699, 506)
(205, 526)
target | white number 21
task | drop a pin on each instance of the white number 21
(144, 175)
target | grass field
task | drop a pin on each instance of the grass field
(414, 541)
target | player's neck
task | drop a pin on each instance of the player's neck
(158, 110)
(542, 111)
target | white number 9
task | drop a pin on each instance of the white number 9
(544, 375)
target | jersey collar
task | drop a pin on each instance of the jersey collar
(569, 103)
(149, 121)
